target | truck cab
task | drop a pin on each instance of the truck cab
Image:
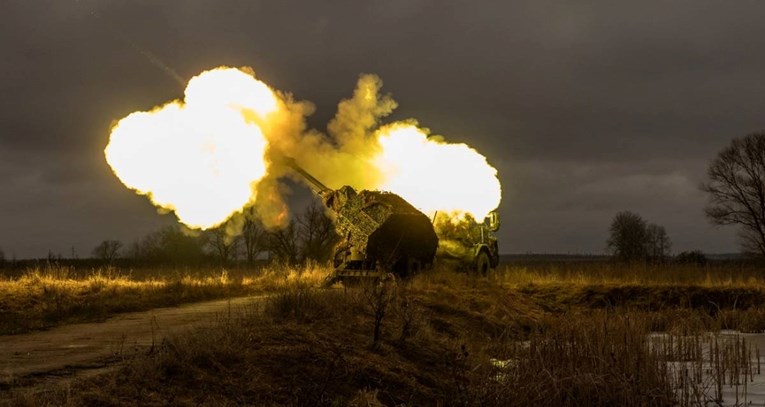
(487, 249)
(466, 244)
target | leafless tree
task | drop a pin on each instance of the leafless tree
(108, 250)
(224, 246)
(254, 237)
(696, 257)
(377, 297)
(628, 237)
(658, 243)
(284, 243)
(135, 250)
(317, 233)
(169, 245)
(736, 187)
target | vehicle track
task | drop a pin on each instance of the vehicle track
(78, 350)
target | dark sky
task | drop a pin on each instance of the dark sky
(585, 108)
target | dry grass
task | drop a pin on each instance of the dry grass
(582, 339)
(315, 347)
(45, 297)
(610, 273)
(514, 301)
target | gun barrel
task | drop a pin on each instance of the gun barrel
(317, 185)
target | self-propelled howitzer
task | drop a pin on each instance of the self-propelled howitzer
(380, 231)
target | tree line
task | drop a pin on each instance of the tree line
(633, 239)
(309, 236)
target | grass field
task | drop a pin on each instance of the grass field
(44, 297)
(544, 334)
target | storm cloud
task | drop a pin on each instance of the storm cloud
(585, 108)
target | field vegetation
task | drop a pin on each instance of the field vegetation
(42, 297)
(563, 334)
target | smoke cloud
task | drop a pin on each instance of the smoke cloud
(358, 149)
(343, 156)
(362, 151)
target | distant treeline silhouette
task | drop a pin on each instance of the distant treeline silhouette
(243, 241)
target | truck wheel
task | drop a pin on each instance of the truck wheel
(483, 264)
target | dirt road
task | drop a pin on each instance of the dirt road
(82, 349)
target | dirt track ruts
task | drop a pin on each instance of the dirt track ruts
(67, 350)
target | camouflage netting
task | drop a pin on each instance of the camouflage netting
(383, 226)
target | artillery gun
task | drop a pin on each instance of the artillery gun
(380, 231)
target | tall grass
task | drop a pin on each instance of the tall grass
(730, 294)
(315, 347)
(44, 297)
(589, 273)
(558, 334)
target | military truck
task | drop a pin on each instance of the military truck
(467, 244)
(382, 233)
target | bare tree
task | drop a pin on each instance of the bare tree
(254, 236)
(169, 245)
(658, 243)
(224, 246)
(628, 237)
(284, 243)
(696, 257)
(317, 233)
(377, 297)
(736, 190)
(108, 250)
(135, 250)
